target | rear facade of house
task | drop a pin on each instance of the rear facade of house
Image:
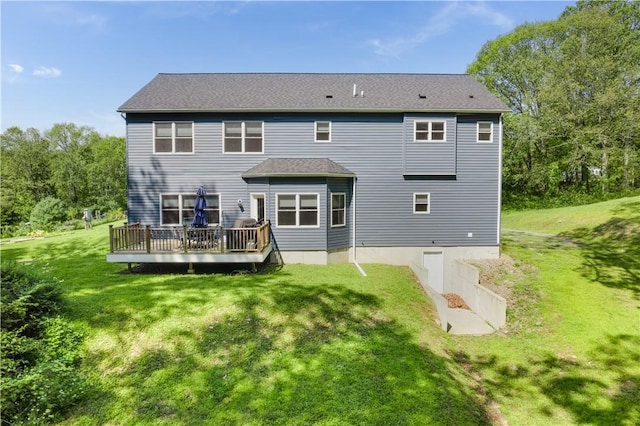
(392, 168)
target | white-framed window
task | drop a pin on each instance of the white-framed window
(338, 209)
(177, 209)
(297, 210)
(323, 131)
(429, 131)
(243, 136)
(173, 137)
(422, 203)
(485, 132)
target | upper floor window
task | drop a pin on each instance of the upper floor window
(338, 209)
(243, 136)
(422, 203)
(485, 131)
(177, 209)
(297, 210)
(323, 131)
(173, 137)
(429, 131)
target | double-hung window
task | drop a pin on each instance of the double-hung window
(298, 210)
(243, 136)
(485, 131)
(173, 137)
(422, 203)
(177, 209)
(338, 209)
(429, 131)
(323, 131)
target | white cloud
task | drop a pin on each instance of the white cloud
(442, 22)
(16, 68)
(43, 71)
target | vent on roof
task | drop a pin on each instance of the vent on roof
(470, 96)
(329, 96)
(422, 96)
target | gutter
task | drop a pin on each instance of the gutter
(353, 224)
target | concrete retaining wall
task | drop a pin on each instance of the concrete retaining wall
(441, 303)
(489, 306)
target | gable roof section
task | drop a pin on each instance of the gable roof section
(313, 93)
(301, 167)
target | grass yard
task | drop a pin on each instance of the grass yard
(575, 357)
(324, 345)
(302, 345)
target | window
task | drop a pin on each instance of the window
(297, 210)
(485, 131)
(177, 209)
(172, 138)
(422, 203)
(338, 210)
(243, 136)
(323, 131)
(429, 131)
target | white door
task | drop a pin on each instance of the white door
(257, 207)
(434, 263)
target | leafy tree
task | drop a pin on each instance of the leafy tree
(25, 173)
(48, 213)
(574, 87)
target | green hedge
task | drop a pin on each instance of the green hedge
(40, 350)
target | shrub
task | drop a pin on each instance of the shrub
(40, 351)
(48, 213)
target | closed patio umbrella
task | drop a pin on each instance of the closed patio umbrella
(199, 218)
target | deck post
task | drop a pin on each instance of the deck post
(222, 239)
(147, 235)
(185, 238)
(191, 270)
(111, 238)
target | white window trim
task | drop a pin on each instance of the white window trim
(428, 194)
(315, 133)
(478, 131)
(429, 140)
(180, 208)
(298, 194)
(173, 138)
(344, 194)
(243, 133)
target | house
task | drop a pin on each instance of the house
(393, 168)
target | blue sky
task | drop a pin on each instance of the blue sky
(79, 61)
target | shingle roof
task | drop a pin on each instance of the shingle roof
(282, 167)
(313, 92)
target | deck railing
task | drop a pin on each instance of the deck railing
(216, 239)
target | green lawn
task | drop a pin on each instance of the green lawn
(301, 345)
(576, 360)
(324, 345)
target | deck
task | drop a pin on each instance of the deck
(136, 243)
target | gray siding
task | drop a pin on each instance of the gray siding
(462, 176)
(430, 158)
(339, 237)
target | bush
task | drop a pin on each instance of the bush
(48, 213)
(40, 350)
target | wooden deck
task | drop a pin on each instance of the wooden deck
(136, 243)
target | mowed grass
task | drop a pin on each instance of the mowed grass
(302, 345)
(575, 357)
(324, 345)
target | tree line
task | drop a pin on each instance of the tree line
(574, 87)
(73, 164)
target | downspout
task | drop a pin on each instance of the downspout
(499, 180)
(353, 224)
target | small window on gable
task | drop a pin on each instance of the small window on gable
(429, 131)
(422, 203)
(173, 138)
(323, 131)
(485, 131)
